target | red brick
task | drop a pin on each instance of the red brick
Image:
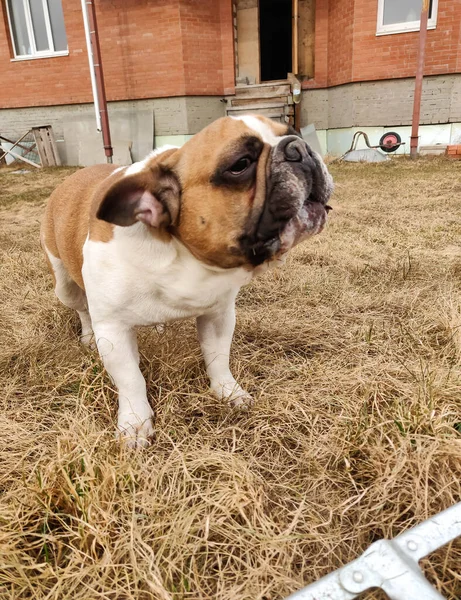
(347, 48)
(191, 41)
(454, 151)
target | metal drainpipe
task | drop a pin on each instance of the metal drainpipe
(419, 80)
(94, 89)
(99, 80)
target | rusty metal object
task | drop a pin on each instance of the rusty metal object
(99, 80)
(390, 141)
(355, 140)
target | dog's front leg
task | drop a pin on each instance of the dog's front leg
(118, 348)
(215, 332)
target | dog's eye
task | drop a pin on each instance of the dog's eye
(240, 166)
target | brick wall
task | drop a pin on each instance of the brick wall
(321, 46)
(340, 39)
(150, 49)
(227, 46)
(207, 46)
(347, 48)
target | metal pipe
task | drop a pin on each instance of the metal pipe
(99, 80)
(94, 89)
(419, 80)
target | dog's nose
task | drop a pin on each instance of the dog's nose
(294, 149)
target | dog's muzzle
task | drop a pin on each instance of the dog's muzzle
(298, 187)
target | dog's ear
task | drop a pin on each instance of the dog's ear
(151, 196)
(322, 184)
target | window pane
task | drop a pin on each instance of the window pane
(38, 22)
(57, 24)
(401, 11)
(19, 27)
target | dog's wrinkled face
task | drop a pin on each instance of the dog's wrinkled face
(247, 190)
(251, 190)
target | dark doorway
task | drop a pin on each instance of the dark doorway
(275, 38)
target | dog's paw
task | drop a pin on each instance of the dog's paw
(235, 396)
(241, 399)
(133, 432)
(88, 340)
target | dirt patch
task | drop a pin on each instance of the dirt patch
(353, 352)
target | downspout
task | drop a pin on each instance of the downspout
(86, 26)
(99, 76)
(419, 80)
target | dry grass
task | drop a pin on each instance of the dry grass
(354, 354)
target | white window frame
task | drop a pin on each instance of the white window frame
(30, 31)
(403, 27)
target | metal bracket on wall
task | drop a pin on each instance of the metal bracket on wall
(391, 565)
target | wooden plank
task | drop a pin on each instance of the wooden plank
(295, 37)
(248, 42)
(254, 106)
(40, 150)
(57, 158)
(46, 146)
(263, 92)
(18, 157)
(15, 144)
(255, 85)
(42, 147)
(306, 43)
(5, 139)
(266, 112)
(258, 101)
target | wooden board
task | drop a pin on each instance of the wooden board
(262, 91)
(258, 101)
(306, 37)
(257, 105)
(46, 146)
(267, 112)
(19, 157)
(248, 43)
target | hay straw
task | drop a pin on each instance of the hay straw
(353, 354)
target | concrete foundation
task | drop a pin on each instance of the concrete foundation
(383, 103)
(380, 106)
(136, 126)
(139, 126)
(336, 142)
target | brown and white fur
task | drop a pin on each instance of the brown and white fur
(176, 236)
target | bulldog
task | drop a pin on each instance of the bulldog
(175, 236)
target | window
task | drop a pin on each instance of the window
(399, 16)
(37, 28)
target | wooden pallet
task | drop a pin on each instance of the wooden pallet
(43, 144)
(46, 146)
